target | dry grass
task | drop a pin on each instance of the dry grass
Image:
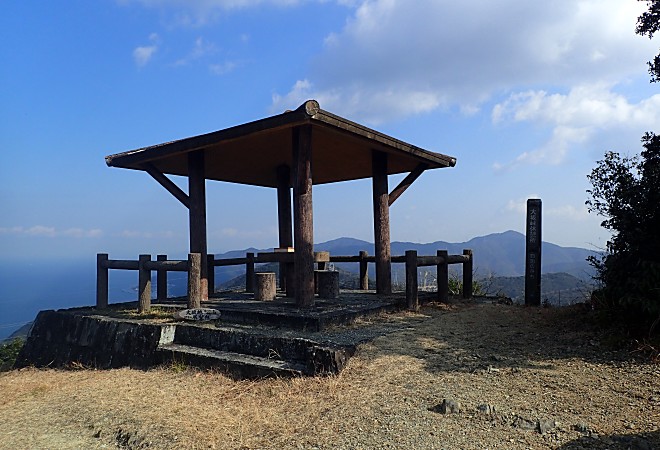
(532, 363)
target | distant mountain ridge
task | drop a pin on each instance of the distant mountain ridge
(497, 254)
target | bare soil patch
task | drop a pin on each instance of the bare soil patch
(510, 368)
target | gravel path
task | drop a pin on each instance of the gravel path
(509, 377)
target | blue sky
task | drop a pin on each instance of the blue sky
(526, 95)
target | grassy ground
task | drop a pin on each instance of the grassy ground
(528, 364)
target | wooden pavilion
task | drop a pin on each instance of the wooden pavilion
(290, 151)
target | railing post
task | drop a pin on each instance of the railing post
(249, 272)
(161, 280)
(467, 275)
(194, 280)
(144, 285)
(102, 280)
(364, 274)
(443, 277)
(210, 274)
(411, 280)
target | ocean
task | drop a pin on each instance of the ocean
(26, 289)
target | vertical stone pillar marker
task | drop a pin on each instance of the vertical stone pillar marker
(533, 253)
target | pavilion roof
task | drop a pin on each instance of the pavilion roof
(250, 153)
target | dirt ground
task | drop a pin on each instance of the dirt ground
(511, 377)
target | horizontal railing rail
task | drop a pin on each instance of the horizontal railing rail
(193, 265)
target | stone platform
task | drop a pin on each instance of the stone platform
(250, 340)
(241, 308)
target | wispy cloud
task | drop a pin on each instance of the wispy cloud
(133, 234)
(574, 117)
(568, 212)
(200, 49)
(143, 54)
(51, 232)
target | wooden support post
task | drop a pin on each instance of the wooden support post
(249, 272)
(102, 280)
(467, 274)
(197, 212)
(303, 215)
(161, 280)
(381, 223)
(210, 274)
(195, 288)
(144, 285)
(443, 277)
(364, 273)
(284, 223)
(411, 280)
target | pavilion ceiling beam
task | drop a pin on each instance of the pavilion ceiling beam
(406, 182)
(167, 184)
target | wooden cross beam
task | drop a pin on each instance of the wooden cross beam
(406, 182)
(167, 184)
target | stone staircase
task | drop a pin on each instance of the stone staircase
(249, 353)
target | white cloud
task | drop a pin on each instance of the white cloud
(51, 232)
(519, 205)
(574, 118)
(567, 212)
(222, 68)
(200, 49)
(133, 234)
(195, 13)
(143, 54)
(395, 58)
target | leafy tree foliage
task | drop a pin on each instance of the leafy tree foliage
(626, 191)
(647, 24)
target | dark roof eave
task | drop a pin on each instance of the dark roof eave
(308, 112)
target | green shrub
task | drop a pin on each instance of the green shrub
(9, 353)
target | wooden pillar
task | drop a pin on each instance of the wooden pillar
(102, 280)
(442, 275)
(197, 212)
(467, 274)
(249, 272)
(411, 280)
(303, 230)
(381, 223)
(161, 280)
(144, 285)
(284, 218)
(210, 276)
(195, 289)
(364, 273)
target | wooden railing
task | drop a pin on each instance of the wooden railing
(442, 260)
(193, 265)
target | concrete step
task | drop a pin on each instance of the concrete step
(237, 365)
(317, 358)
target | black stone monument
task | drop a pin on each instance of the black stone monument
(533, 253)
